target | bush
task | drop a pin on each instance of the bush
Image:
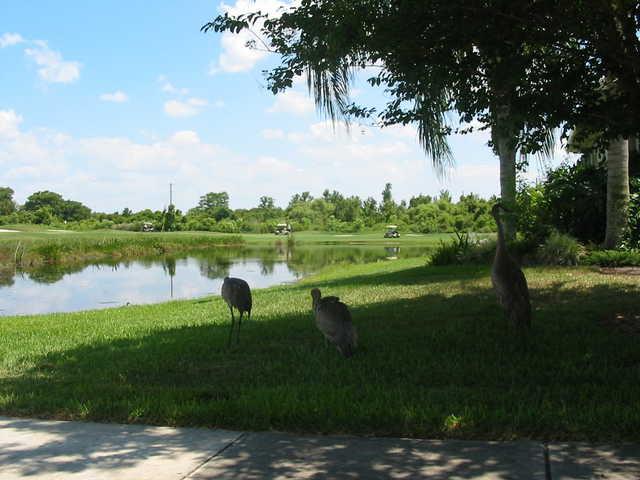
(559, 249)
(613, 258)
(632, 235)
(450, 253)
(464, 249)
(226, 226)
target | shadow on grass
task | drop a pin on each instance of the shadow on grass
(440, 365)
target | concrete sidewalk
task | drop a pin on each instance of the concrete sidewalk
(39, 449)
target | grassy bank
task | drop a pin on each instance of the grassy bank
(436, 359)
(31, 248)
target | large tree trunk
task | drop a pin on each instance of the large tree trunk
(617, 191)
(503, 142)
(507, 154)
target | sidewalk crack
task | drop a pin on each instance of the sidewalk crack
(215, 454)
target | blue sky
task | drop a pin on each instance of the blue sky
(108, 102)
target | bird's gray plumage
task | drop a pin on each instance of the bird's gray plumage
(508, 280)
(333, 319)
(236, 293)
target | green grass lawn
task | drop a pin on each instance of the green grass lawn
(436, 359)
(46, 234)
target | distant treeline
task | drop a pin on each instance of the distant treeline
(332, 211)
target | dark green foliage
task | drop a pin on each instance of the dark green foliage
(632, 236)
(575, 201)
(50, 206)
(464, 249)
(613, 258)
(332, 212)
(7, 205)
(571, 200)
(559, 249)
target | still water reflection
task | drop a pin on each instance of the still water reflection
(157, 279)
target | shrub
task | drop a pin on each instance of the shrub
(449, 253)
(632, 235)
(559, 249)
(464, 249)
(226, 226)
(613, 258)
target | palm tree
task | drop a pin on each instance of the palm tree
(617, 191)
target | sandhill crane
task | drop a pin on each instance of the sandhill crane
(236, 293)
(333, 319)
(508, 280)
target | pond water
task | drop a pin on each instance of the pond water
(158, 279)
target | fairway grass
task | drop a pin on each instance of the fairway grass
(436, 359)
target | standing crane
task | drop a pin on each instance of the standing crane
(333, 319)
(508, 280)
(236, 293)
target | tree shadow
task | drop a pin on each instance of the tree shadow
(279, 455)
(36, 448)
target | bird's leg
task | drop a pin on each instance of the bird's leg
(232, 322)
(239, 325)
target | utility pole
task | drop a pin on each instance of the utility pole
(170, 193)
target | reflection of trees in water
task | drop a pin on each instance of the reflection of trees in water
(52, 274)
(216, 263)
(307, 259)
(169, 266)
(392, 252)
(267, 267)
(215, 266)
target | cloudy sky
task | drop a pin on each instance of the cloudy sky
(109, 102)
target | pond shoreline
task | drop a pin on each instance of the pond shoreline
(103, 282)
(29, 254)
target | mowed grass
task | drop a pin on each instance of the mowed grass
(436, 359)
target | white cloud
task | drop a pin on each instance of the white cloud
(292, 101)
(8, 39)
(53, 68)
(9, 123)
(109, 173)
(235, 55)
(167, 87)
(272, 134)
(117, 97)
(180, 109)
(197, 102)
(185, 137)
